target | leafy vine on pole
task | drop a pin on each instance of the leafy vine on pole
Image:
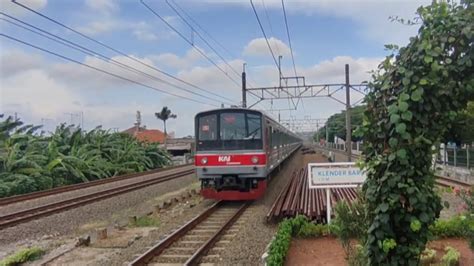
(413, 100)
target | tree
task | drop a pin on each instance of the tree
(164, 115)
(337, 124)
(462, 130)
(413, 99)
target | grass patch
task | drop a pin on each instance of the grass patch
(145, 221)
(458, 226)
(22, 256)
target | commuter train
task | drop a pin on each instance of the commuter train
(236, 149)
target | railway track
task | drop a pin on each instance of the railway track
(197, 241)
(450, 182)
(44, 193)
(59, 206)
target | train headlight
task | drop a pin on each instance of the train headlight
(254, 159)
(204, 160)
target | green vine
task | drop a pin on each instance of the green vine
(412, 101)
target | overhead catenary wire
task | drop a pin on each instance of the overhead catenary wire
(264, 35)
(189, 42)
(102, 70)
(203, 30)
(95, 54)
(202, 38)
(269, 24)
(116, 50)
(190, 18)
(289, 40)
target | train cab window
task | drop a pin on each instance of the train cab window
(208, 127)
(232, 126)
(254, 124)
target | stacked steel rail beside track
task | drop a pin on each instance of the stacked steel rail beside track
(297, 198)
(59, 206)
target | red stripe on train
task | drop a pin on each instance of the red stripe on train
(230, 159)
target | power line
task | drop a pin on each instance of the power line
(264, 34)
(270, 24)
(95, 54)
(202, 29)
(208, 34)
(188, 41)
(202, 38)
(100, 70)
(115, 50)
(289, 40)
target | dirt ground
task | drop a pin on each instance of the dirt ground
(328, 251)
(316, 251)
(467, 256)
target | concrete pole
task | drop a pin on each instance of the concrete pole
(348, 117)
(244, 88)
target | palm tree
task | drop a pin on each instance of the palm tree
(164, 115)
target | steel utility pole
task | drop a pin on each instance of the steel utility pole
(348, 116)
(244, 88)
(279, 68)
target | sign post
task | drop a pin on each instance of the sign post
(334, 175)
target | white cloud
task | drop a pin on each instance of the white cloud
(36, 94)
(259, 47)
(103, 6)
(330, 71)
(176, 62)
(372, 15)
(16, 61)
(99, 27)
(16, 10)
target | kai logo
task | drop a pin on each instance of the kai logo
(224, 159)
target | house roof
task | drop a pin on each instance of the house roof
(150, 135)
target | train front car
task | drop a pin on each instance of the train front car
(230, 157)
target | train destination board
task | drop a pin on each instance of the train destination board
(333, 175)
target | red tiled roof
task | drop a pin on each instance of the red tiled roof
(150, 135)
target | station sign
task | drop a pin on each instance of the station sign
(335, 175)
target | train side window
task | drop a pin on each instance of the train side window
(208, 127)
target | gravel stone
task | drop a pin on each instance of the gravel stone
(247, 247)
(80, 220)
(10, 208)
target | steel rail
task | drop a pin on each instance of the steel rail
(164, 244)
(48, 209)
(204, 249)
(57, 190)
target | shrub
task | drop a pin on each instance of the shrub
(281, 243)
(22, 256)
(299, 226)
(427, 256)
(458, 226)
(412, 101)
(451, 258)
(145, 221)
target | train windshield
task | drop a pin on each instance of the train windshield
(231, 130)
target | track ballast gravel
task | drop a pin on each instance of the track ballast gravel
(111, 210)
(23, 205)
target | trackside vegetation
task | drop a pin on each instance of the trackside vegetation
(350, 226)
(32, 161)
(412, 101)
(22, 256)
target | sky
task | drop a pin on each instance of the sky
(141, 54)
